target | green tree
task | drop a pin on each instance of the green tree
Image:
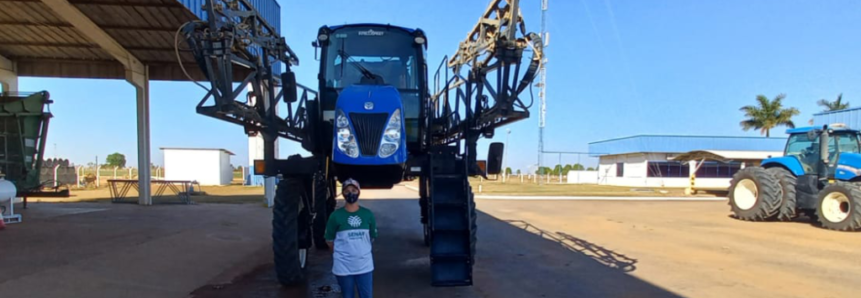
(508, 171)
(518, 172)
(767, 114)
(543, 171)
(590, 169)
(566, 169)
(116, 160)
(578, 167)
(833, 105)
(556, 170)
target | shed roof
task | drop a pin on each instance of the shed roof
(681, 144)
(43, 44)
(726, 155)
(196, 149)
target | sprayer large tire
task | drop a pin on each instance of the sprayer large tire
(285, 231)
(473, 226)
(754, 194)
(839, 206)
(788, 208)
(321, 208)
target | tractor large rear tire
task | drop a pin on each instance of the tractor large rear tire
(322, 192)
(473, 227)
(839, 206)
(285, 231)
(754, 194)
(788, 208)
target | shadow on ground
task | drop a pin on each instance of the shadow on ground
(514, 259)
(598, 253)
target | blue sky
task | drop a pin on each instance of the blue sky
(617, 68)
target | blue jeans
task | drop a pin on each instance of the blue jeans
(349, 283)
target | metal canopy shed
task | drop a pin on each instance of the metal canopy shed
(726, 155)
(132, 40)
(697, 158)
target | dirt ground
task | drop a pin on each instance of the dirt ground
(599, 249)
(124, 250)
(525, 249)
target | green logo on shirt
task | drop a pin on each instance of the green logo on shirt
(354, 221)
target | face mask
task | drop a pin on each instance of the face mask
(351, 197)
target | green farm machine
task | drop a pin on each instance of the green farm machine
(24, 121)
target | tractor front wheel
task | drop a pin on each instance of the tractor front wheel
(839, 206)
(754, 194)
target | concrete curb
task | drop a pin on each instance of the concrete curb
(591, 198)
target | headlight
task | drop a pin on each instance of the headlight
(387, 149)
(341, 120)
(392, 135)
(346, 141)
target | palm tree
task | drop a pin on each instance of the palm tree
(767, 114)
(833, 105)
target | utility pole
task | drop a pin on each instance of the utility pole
(505, 156)
(542, 87)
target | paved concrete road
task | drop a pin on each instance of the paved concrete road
(511, 262)
(124, 250)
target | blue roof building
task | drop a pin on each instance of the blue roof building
(672, 160)
(681, 144)
(850, 117)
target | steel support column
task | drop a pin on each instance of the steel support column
(145, 193)
(136, 73)
(8, 75)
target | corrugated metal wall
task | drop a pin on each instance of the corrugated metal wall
(678, 144)
(270, 9)
(850, 117)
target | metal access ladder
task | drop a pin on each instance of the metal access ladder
(451, 218)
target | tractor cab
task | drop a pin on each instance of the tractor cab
(372, 81)
(811, 156)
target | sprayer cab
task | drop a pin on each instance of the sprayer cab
(371, 82)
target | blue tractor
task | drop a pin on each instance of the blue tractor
(819, 175)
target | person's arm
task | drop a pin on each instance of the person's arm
(373, 227)
(331, 230)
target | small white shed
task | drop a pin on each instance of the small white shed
(204, 165)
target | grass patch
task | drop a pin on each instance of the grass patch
(514, 187)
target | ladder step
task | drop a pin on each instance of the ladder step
(459, 177)
(450, 242)
(447, 217)
(451, 273)
(449, 257)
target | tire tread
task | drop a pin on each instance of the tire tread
(768, 199)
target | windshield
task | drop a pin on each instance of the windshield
(847, 142)
(387, 53)
(800, 143)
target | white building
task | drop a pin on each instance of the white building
(206, 166)
(677, 161)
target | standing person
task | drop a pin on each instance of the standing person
(349, 233)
